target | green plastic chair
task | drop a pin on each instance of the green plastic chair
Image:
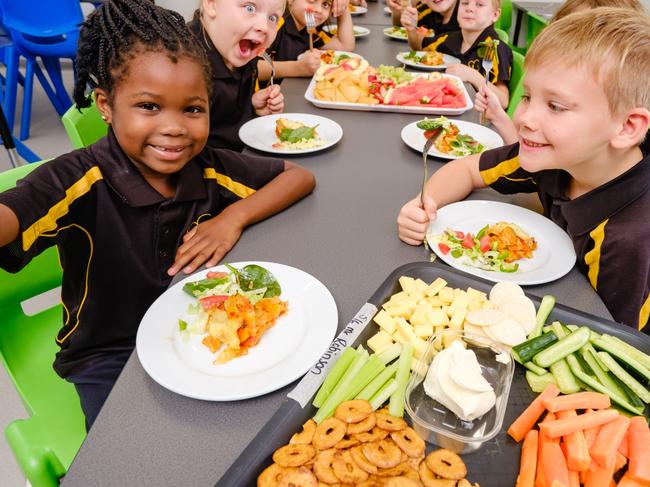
(46, 443)
(535, 24)
(84, 127)
(504, 22)
(503, 35)
(516, 82)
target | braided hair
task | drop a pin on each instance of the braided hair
(120, 30)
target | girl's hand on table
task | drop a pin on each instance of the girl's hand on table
(269, 100)
(207, 243)
(413, 220)
(310, 61)
(409, 18)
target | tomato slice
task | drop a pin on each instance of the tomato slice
(459, 234)
(429, 133)
(444, 248)
(468, 241)
(485, 243)
(209, 302)
(216, 275)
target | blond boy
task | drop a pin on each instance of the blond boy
(581, 127)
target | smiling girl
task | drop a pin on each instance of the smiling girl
(148, 200)
(233, 33)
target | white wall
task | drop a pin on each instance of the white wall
(185, 7)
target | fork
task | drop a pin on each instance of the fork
(425, 153)
(486, 63)
(310, 23)
(267, 58)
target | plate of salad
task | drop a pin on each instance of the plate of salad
(456, 138)
(236, 331)
(501, 242)
(429, 60)
(290, 133)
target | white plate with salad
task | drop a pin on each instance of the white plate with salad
(171, 338)
(357, 30)
(552, 256)
(290, 133)
(357, 10)
(398, 33)
(456, 139)
(424, 60)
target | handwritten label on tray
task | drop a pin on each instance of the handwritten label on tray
(310, 383)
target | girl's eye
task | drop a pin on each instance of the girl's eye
(194, 109)
(148, 106)
(250, 8)
(273, 18)
(525, 98)
(555, 107)
(326, 5)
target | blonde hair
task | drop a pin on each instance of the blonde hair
(571, 6)
(612, 43)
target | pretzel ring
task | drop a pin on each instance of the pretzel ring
(428, 478)
(409, 441)
(360, 459)
(401, 481)
(293, 455)
(329, 433)
(271, 475)
(346, 470)
(390, 423)
(306, 435)
(298, 477)
(396, 471)
(371, 482)
(353, 411)
(323, 467)
(446, 464)
(363, 425)
(384, 453)
(346, 443)
(375, 435)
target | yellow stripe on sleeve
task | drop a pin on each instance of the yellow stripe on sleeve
(280, 24)
(233, 186)
(644, 314)
(424, 13)
(502, 169)
(48, 222)
(592, 258)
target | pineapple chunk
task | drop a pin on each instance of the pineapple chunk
(419, 316)
(385, 321)
(457, 319)
(438, 317)
(402, 295)
(401, 311)
(380, 341)
(446, 295)
(406, 330)
(435, 287)
(476, 294)
(419, 286)
(407, 284)
(419, 347)
(434, 301)
(423, 331)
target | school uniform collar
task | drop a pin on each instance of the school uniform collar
(586, 212)
(127, 182)
(487, 32)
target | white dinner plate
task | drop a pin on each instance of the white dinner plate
(259, 133)
(415, 139)
(358, 10)
(350, 54)
(285, 352)
(552, 259)
(447, 60)
(390, 32)
(358, 30)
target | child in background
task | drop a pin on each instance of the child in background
(233, 33)
(486, 101)
(476, 19)
(143, 203)
(290, 50)
(440, 16)
(581, 127)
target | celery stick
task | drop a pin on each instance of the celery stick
(635, 353)
(622, 354)
(384, 376)
(545, 308)
(614, 367)
(391, 353)
(342, 388)
(383, 394)
(396, 404)
(339, 368)
(369, 371)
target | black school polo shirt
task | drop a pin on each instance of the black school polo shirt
(230, 101)
(289, 42)
(609, 227)
(433, 20)
(116, 235)
(454, 41)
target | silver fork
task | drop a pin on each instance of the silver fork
(425, 154)
(267, 58)
(486, 63)
(310, 23)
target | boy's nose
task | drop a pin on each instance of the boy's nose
(173, 126)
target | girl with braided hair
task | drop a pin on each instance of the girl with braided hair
(145, 202)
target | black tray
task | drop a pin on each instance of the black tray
(495, 464)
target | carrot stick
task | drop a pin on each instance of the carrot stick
(540, 480)
(621, 461)
(627, 481)
(606, 444)
(574, 478)
(566, 426)
(525, 422)
(579, 400)
(623, 446)
(577, 452)
(600, 477)
(639, 449)
(554, 464)
(528, 464)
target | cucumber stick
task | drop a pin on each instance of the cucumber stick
(528, 349)
(562, 348)
(565, 380)
(626, 378)
(602, 376)
(538, 383)
(635, 353)
(544, 310)
(622, 354)
(529, 365)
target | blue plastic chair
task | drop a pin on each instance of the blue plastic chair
(46, 30)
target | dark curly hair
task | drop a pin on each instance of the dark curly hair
(120, 30)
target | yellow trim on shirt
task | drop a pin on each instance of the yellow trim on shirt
(233, 186)
(424, 13)
(502, 169)
(48, 222)
(280, 24)
(592, 258)
(644, 314)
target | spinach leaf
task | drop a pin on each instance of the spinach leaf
(296, 135)
(255, 277)
(196, 288)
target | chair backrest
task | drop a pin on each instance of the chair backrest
(534, 26)
(504, 22)
(84, 127)
(516, 82)
(46, 443)
(503, 35)
(42, 19)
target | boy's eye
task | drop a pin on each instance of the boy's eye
(525, 98)
(250, 8)
(148, 106)
(555, 107)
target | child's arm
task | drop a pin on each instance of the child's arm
(476, 79)
(487, 101)
(268, 101)
(208, 242)
(395, 7)
(304, 67)
(453, 182)
(9, 225)
(344, 38)
(409, 21)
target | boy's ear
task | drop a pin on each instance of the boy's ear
(633, 129)
(102, 101)
(496, 15)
